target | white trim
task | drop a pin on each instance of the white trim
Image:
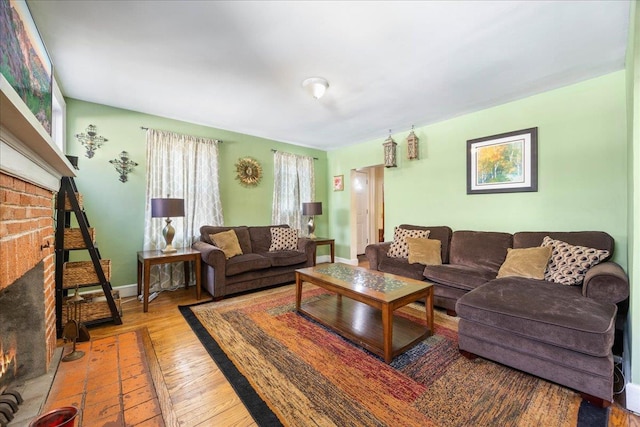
(347, 261)
(19, 161)
(21, 131)
(632, 397)
(127, 290)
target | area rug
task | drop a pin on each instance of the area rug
(288, 369)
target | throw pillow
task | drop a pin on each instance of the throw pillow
(228, 242)
(525, 262)
(569, 264)
(424, 251)
(283, 239)
(399, 248)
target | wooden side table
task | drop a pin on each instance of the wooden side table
(325, 241)
(148, 258)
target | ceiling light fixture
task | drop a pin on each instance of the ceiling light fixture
(316, 86)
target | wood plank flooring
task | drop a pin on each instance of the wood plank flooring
(200, 393)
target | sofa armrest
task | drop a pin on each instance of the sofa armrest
(308, 246)
(212, 255)
(376, 252)
(606, 282)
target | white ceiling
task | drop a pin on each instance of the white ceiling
(390, 65)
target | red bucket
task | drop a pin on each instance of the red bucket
(60, 417)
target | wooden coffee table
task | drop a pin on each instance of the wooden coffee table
(362, 305)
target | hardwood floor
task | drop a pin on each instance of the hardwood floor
(200, 393)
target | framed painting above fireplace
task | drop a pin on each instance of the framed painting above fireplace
(24, 61)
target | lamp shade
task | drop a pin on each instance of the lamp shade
(312, 208)
(167, 208)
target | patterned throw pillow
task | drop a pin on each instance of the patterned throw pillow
(283, 239)
(399, 248)
(569, 264)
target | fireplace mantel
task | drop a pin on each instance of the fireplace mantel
(27, 151)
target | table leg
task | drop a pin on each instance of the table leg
(145, 291)
(198, 277)
(428, 304)
(187, 270)
(333, 252)
(298, 291)
(139, 277)
(387, 332)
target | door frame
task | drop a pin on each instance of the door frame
(372, 209)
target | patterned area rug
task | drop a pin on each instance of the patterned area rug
(284, 365)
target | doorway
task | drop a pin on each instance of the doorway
(367, 208)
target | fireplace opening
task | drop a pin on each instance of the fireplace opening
(23, 342)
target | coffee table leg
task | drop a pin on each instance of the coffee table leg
(387, 332)
(428, 305)
(298, 291)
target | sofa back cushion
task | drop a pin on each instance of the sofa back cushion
(480, 249)
(590, 239)
(242, 232)
(261, 237)
(442, 233)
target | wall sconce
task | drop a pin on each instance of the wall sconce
(91, 140)
(389, 152)
(123, 165)
(412, 145)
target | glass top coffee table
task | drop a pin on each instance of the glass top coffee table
(361, 306)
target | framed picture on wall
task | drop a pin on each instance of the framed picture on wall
(25, 62)
(504, 163)
(338, 183)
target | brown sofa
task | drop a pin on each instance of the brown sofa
(561, 333)
(256, 268)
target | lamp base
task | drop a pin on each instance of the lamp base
(168, 249)
(311, 227)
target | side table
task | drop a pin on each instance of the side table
(148, 258)
(325, 241)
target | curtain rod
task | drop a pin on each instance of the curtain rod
(273, 150)
(216, 140)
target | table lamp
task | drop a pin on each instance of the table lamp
(311, 209)
(167, 208)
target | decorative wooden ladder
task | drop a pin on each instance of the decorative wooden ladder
(67, 203)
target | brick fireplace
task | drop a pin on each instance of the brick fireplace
(27, 283)
(31, 167)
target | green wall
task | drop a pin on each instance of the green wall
(582, 169)
(116, 209)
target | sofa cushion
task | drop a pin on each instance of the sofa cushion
(439, 232)
(283, 239)
(284, 258)
(458, 276)
(543, 311)
(525, 262)
(482, 249)
(242, 233)
(399, 248)
(261, 237)
(401, 267)
(424, 251)
(569, 263)
(247, 262)
(228, 242)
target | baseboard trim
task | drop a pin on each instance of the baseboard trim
(127, 290)
(632, 397)
(347, 261)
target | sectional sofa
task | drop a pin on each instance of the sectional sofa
(561, 333)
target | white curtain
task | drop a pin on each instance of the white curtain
(183, 167)
(294, 184)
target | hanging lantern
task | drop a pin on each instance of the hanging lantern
(389, 152)
(412, 145)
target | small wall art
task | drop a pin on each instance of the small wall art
(504, 163)
(338, 183)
